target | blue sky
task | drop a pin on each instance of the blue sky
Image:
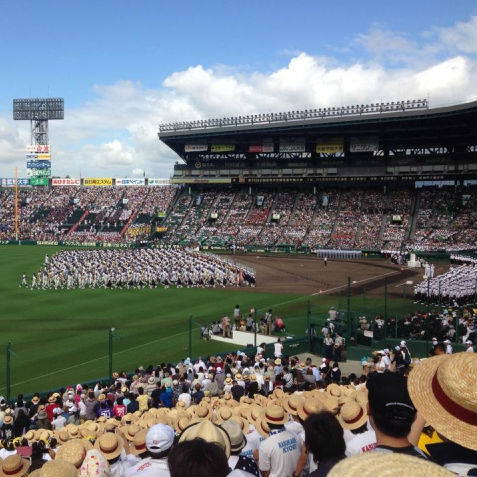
(124, 66)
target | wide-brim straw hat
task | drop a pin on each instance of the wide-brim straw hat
(181, 423)
(308, 407)
(352, 415)
(374, 464)
(127, 419)
(274, 415)
(35, 399)
(278, 393)
(334, 390)
(57, 467)
(130, 431)
(8, 419)
(62, 436)
(72, 452)
(208, 431)
(203, 412)
(262, 428)
(292, 403)
(110, 445)
(223, 413)
(30, 435)
(138, 444)
(14, 466)
(444, 391)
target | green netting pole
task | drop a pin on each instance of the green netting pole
(308, 325)
(256, 326)
(190, 336)
(110, 353)
(9, 348)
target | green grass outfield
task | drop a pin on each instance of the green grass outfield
(61, 337)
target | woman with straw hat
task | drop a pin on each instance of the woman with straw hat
(14, 466)
(444, 390)
(111, 446)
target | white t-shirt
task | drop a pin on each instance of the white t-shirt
(186, 398)
(253, 442)
(58, 422)
(279, 453)
(364, 442)
(149, 468)
(278, 350)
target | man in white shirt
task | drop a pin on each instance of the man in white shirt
(278, 454)
(470, 347)
(278, 348)
(159, 440)
(59, 421)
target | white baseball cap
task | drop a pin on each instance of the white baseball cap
(159, 438)
(403, 343)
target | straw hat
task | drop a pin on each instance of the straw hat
(127, 418)
(245, 400)
(292, 403)
(237, 439)
(308, 407)
(352, 415)
(14, 466)
(130, 431)
(35, 400)
(372, 464)
(444, 390)
(29, 435)
(181, 423)
(102, 397)
(72, 452)
(62, 436)
(243, 423)
(9, 419)
(203, 412)
(223, 414)
(228, 381)
(52, 398)
(54, 468)
(138, 444)
(334, 390)
(209, 432)
(274, 415)
(110, 445)
(278, 393)
(262, 428)
(238, 377)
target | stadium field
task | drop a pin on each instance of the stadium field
(61, 337)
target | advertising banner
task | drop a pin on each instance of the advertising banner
(98, 181)
(158, 182)
(39, 148)
(222, 148)
(38, 172)
(196, 148)
(212, 180)
(129, 181)
(66, 182)
(39, 181)
(364, 144)
(292, 144)
(44, 156)
(257, 148)
(329, 146)
(39, 165)
(10, 182)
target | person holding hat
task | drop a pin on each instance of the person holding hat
(391, 413)
(237, 442)
(444, 391)
(278, 454)
(158, 443)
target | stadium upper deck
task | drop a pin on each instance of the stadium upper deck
(390, 142)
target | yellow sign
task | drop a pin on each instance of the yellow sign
(222, 148)
(100, 181)
(329, 146)
(161, 229)
(44, 156)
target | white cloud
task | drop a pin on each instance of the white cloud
(116, 134)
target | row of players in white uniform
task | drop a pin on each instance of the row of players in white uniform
(458, 284)
(137, 268)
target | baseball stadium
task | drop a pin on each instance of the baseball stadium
(297, 299)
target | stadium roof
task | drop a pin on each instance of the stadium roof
(417, 126)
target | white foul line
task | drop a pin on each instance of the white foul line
(354, 283)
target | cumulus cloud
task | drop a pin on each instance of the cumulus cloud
(116, 133)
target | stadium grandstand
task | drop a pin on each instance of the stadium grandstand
(384, 177)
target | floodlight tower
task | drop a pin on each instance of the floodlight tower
(39, 111)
